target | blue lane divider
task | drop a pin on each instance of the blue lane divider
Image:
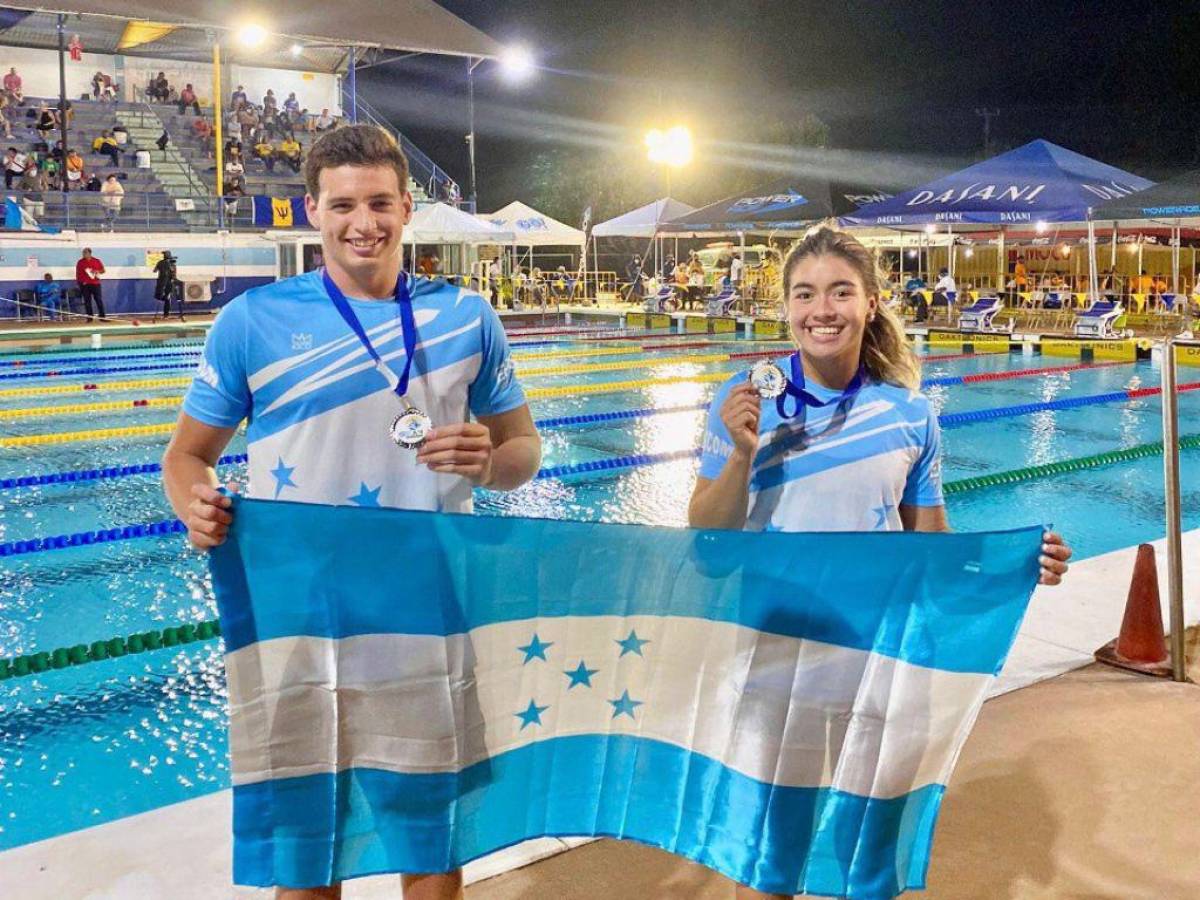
(88, 370)
(618, 462)
(108, 358)
(950, 420)
(8, 484)
(85, 538)
(616, 416)
(137, 345)
(948, 379)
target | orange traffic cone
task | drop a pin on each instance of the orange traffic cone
(1141, 646)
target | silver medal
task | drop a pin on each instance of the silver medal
(410, 428)
(768, 379)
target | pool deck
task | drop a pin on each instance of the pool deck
(1018, 815)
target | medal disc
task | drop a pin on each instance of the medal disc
(410, 428)
(768, 379)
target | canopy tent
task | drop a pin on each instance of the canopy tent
(442, 224)
(788, 205)
(534, 229)
(1177, 198)
(1039, 182)
(420, 26)
(643, 222)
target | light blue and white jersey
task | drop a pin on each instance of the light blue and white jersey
(318, 410)
(841, 467)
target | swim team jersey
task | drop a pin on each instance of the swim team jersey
(843, 467)
(319, 411)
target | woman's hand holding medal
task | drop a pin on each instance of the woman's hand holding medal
(463, 449)
(740, 414)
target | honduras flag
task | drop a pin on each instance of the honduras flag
(409, 691)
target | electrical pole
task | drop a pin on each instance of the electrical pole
(987, 115)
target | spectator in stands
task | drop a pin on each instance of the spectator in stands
(233, 147)
(74, 170)
(120, 134)
(15, 163)
(265, 152)
(106, 144)
(270, 125)
(12, 84)
(289, 152)
(87, 275)
(187, 97)
(234, 171)
(237, 98)
(269, 101)
(204, 133)
(163, 140)
(291, 105)
(248, 121)
(160, 88)
(325, 121)
(233, 191)
(33, 182)
(103, 86)
(111, 195)
(49, 296)
(6, 110)
(47, 121)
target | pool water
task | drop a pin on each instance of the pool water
(84, 745)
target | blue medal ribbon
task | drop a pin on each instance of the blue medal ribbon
(408, 327)
(795, 389)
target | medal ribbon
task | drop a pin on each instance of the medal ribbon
(408, 331)
(795, 389)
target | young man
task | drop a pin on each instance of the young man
(88, 270)
(318, 364)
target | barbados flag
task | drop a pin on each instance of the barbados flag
(409, 691)
(280, 212)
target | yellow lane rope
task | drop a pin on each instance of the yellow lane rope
(102, 406)
(66, 437)
(625, 350)
(97, 388)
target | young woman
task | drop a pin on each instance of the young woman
(856, 446)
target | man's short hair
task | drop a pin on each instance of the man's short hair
(355, 145)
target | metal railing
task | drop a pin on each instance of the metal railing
(139, 211)
(433, 179)
(1170, 412)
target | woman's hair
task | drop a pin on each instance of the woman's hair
(885, 354)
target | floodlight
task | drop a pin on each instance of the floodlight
(672, 147)
(970, 251)
(516, 63)
(930, 228)
(251, 35)
(297, 49)
(1041, 227)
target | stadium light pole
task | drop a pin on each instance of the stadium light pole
(62, 98)
(472, 63)
(218, 123)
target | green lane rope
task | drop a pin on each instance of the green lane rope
(1029, 473)
(138, 642)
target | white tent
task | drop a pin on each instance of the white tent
(532, 228)
(442, 224)
(643, 222)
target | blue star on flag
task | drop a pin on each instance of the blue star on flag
(366, 496)
(632, 644)
(535, 649)
(283, 477)
(531, 715)
(580, 675)
(624, 706)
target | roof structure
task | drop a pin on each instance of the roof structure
(410, 25)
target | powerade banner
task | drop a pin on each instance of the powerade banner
(1040, 182)
(409, 691)
(280, 212)
(787, 205)
(1177, 197)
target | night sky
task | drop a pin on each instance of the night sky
(897, 83)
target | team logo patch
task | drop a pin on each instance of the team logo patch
(206, 373)
(301, 341)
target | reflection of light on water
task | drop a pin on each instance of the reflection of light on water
(1044, 429)
(682, 393)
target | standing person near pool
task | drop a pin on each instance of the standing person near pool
(88, 270)
(398, 433)
(851, 444)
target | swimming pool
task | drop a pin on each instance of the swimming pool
(88, 744)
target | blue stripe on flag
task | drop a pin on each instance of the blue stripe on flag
(949, 601)
(390, 822)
